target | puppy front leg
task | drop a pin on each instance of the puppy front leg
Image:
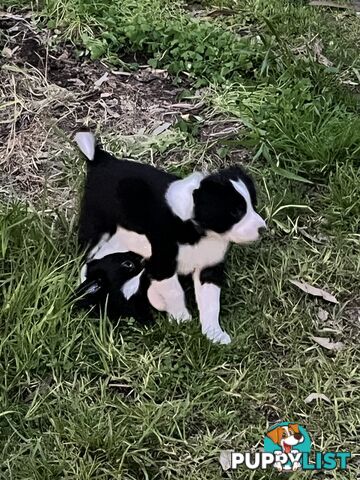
(207, 294)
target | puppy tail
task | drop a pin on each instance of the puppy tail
(87, 143)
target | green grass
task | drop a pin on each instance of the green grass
(161, 31)
(84, 399)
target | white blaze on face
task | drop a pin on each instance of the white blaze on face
(131, 286)
(290, 439)
(247, 230)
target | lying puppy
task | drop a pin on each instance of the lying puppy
(116, 283)
(180, 226)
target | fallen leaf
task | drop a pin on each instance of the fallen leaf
(316, 292)
(225, 459)
(77, 81)
(328, 3)
(349, 82)
(218, 12)
(161, 128)
(112, 113)
(101, 80)
(318, 239)
(221, 12)
(316, 396)
(328, 344)
(322, 314)
(158, 71)
(188, 106)
(63, 56)
(11, 16)
(318, 47)
(119, 72)
(6, 52)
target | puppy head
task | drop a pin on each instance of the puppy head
(286, 436)
(106, 277)
(225, 203)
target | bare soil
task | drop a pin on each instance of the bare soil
(47, 94)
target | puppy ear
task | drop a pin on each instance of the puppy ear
(211, 191)
(295, 427)
(179, 195)
(86, 292)
(274, 435)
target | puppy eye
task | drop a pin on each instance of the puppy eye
(128, 265)
(236, 213)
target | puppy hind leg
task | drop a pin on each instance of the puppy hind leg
(155, 299)
(168, 295)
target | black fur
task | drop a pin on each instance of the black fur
(131, 194)
(218, 207)
(215, 274)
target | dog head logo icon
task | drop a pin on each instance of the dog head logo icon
(288, 441)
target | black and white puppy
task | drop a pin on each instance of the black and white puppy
(180, 226)
(112, 284)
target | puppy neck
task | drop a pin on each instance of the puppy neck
(179, 195)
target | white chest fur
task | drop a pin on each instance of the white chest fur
(208, 252)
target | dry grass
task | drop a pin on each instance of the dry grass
(49, 94)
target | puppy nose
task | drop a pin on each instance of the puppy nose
(262, 230)
(298, 436)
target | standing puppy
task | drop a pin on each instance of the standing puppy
(180, 226)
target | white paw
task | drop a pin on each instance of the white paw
(181, 316)
(217, 336)
(296, 466)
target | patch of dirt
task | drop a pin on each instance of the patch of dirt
(49, 93)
